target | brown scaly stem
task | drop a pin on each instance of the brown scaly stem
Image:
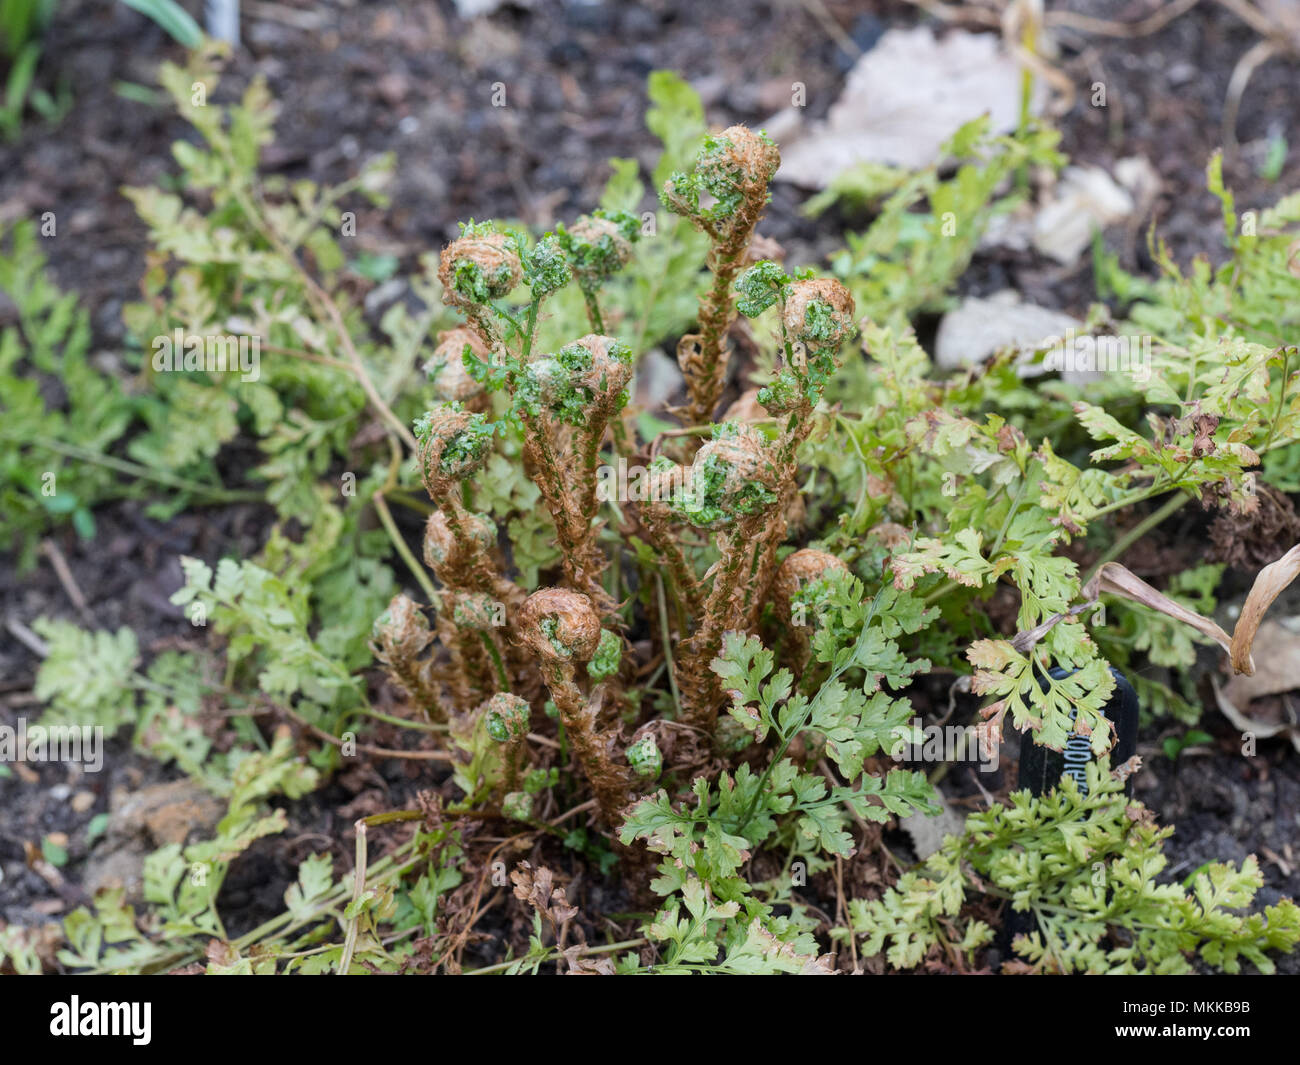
(583, 385)
(771, 538)
(609, 780)
(476, 664)
(457, 676)
(735, 169)
(732, 489)
(698, 684)
(655, 518)
(703, 356)
(562, 629)
(816, 317)
(540, 454)
(483, 266)
(583, 562)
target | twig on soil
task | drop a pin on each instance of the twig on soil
(1258, 54)
(359, 885)
(378, 752)
(64, 573)
(27, 638)
(606, 948)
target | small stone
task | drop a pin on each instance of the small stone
(142, 821)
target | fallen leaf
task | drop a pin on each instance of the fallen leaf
(1277, 654)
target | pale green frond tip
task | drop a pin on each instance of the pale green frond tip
(609, 653)
(517, 806)
(644, 758)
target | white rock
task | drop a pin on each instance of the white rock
(904, 99)
(1086, 199)
(979, 328)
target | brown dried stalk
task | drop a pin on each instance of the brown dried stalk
(1114, 579)
(1270, 582)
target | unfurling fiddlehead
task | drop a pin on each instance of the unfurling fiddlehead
(734, 170)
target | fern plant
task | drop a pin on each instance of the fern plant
(683, 644)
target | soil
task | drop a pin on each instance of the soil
(413, 77)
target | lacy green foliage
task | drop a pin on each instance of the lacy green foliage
(265, 619)
(91, 679)
(1088, 870)
(760, 287)
(909, 259)
(181, 887)
(48, 459)
(85, 677)
(1238, 318)
(305, 404)
(787, 805)
(182, 883)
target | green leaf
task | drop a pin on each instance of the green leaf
(172, 18)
